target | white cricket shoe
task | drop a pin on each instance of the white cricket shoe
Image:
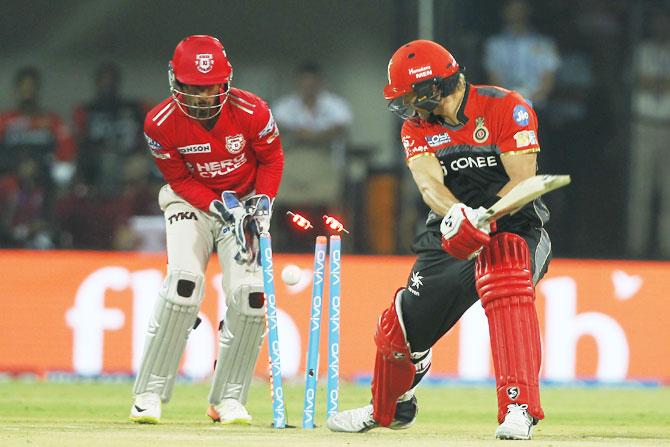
(357, 420)
(360, 420)
(229, 411)
(146, 408)
(518, 424)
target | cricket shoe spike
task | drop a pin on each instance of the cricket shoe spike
(146, 408)
(229, 411)
(360, 420)
(518, 424)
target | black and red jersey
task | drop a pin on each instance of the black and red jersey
(42, 136)
(242, 152)
(494, 121)
(108, 132)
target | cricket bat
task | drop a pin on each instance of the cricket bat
(523, 193)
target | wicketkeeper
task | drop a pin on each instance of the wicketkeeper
(219, 151)
(466, 145)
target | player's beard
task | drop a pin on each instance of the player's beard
(203, 110)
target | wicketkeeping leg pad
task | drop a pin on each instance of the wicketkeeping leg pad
(394, 370)
(240, 339)
(174, 316)
(505, 286)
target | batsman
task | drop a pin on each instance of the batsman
(219, 151)
(466, 146)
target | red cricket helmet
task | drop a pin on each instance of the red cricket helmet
(200, 60)
(416, 62)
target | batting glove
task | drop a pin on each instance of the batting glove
(461, 237)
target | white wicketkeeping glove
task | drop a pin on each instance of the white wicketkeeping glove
(259, 208)
(234, 216)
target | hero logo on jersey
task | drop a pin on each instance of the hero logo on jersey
(525, 138)
(421, 72)
(195, 149)
(204, 62)
(520, 115)
(235, 143)
(156, 148)
(438, 140)
(214, 169)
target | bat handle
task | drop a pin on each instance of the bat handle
(484, 219)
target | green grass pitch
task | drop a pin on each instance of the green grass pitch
(91, 414)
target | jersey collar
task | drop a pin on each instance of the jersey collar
(461, 110)
(460, 114)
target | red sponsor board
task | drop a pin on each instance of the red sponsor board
(87, 312)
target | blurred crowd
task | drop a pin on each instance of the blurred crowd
(599, 81)
(74, 186)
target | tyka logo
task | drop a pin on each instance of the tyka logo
(182, 215)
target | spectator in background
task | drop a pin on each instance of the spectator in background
(519, 58)
(36, 153)
(109, 131)
(105, 222)
(313, 115)
(649, 220)
(115, 180)
(23, 222)
(579, 129)
(314, 124)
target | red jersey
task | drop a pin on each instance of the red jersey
(495, 121)
(41, 134)
(242, 152)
